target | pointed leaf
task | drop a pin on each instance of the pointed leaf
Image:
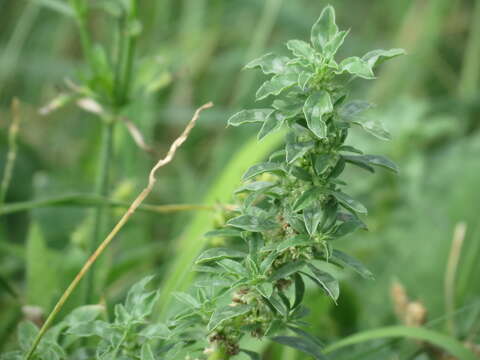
(376, 57)
(226, 313)
(252, 223)
(301, 344)
(374, 128)
(269, 63)
(326, 281)
(249, 116)
(312, 216)
(215, 254)
(225, 232)
(299, 290)
(353, 263)
(301, 49)
(261, 168)
(316, 106)
(287, 270)
(324, 29)
(273, 122)
(276, 85)
(349, 202)
(356, 66)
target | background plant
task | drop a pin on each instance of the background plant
(428, 100)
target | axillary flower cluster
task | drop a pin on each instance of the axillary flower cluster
(293, 205)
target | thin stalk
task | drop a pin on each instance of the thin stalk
(470, 75)
(451, 274)
(130, 56)
(82, 22)
(102, 185)
(12, 151)
(123, 220)
(86, 200)
(7, 177)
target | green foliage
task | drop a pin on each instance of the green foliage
(292, 206)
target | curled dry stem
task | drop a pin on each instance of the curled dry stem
(136, 203)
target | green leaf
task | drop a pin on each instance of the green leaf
(226, 313)
(252, 355)
(249, 116)
(186, 299)
(324, 161)
(225, 232)
(298, 240)
(358, 161)
(302, 344)
(446, 342)
(374, 128)
(276, 85)
(356, 66)
(382, 161)
(252, 223)
(269, 63)
(335, 43)
(347, 227)
(301, 49)
(233, 267)
(353, 108)
(139, 302)
(324, 29)
(349, 202)
(290, 108)
(326, 281)
(215, 254)
(255, 186)
(295, 149)
(299, 290)
(84, 313)
(312, 217)
(271, 124)
(377, 57)
(316, 106)
(353, 263)
(156, 331)
(261, 168)
(307, 197)
(265, 289)
(304, 78)
(287, 270)
(268, 261)
(27, 331)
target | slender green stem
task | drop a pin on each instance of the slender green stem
(12, 151)
(130, 56)
(102, 185)
(470, 75)
(88, 200)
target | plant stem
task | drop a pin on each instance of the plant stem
(12, 151)
(88, 200)
(102, 183)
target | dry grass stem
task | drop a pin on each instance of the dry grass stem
(136, 203)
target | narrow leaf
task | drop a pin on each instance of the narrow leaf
(316, 106)
(249, 116)
(228, 312)
(219, 254)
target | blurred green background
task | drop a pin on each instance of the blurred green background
(429, 100)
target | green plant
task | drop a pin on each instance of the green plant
(291, 209)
